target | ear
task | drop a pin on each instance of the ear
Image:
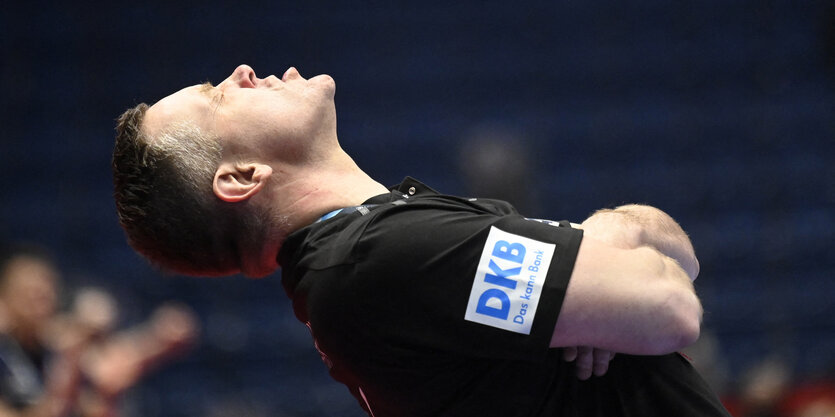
(238, 182)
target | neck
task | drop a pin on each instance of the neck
(300, 195)
(341, 183)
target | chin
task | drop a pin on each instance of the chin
(326, 82)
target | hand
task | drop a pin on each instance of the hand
(588, 360)
(120, 361)
(175, 326)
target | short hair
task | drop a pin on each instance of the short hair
(164, 198)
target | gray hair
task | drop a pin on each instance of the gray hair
(162, 188)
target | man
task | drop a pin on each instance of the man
(54, 364)
(422, 304)
(40, 367)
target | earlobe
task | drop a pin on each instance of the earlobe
(238, 182)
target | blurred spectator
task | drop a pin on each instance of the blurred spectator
(810, 399)
(30, 384)
(706, 356)
(495, 162)
(73, 363)
(114, 362)
(768, 390)
(760, 389)
(763, 386)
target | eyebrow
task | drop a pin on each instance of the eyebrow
(206, 87)
(216, 97)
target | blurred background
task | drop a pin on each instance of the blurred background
(722, 113)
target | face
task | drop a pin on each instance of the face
(29, 292)
(267, 117)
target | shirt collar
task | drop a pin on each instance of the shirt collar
(408, 188)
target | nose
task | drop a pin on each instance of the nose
(244, 77)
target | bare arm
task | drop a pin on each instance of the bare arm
(627, 294)
(632, 226)
(118, 362)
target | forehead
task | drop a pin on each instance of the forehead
(191, 104)
(27, 270)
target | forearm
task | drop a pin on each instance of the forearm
(635, 301)
(638, 263)
(633, 226)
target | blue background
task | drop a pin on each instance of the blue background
(719, 112)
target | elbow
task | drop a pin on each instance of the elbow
(689, 327)
(678, 308)
(684, 319)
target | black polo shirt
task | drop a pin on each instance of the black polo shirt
(431, 305)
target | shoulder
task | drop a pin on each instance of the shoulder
(438, 223)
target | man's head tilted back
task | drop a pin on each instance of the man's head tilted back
(192, 173)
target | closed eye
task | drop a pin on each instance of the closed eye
(215, 94)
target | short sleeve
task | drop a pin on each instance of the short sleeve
(463, 282)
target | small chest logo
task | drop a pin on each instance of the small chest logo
(508, 281)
